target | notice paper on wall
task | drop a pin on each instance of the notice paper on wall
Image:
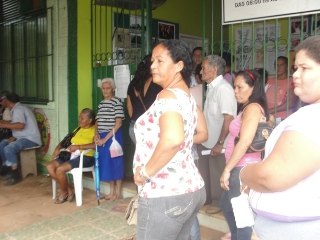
(121, 79)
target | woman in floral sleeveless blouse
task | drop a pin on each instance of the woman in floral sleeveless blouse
(170, 187)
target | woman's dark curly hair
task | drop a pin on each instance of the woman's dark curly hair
(179, 51)
(142, 74)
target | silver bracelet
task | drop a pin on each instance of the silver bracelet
(144, 174)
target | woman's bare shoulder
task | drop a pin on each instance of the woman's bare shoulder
(253, 107)
(166, 94)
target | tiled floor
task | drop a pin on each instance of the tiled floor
(27, 212)
(101, 222)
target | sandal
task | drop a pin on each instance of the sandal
(60, 199)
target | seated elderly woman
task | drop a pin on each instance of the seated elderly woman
(82, 139)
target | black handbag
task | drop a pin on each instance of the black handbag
(64, 155)
(66, 141)
(259, 141)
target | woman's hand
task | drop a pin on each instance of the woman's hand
(73, 148)
(98, 141)
(101, 142)
(224, 180)
(138, 179)
(96, 138)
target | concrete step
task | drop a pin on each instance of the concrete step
(212, 221)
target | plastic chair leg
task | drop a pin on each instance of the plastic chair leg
(54, 188)
(77, 180)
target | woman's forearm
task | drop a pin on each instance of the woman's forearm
(253, 177)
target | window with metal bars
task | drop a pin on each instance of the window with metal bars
(26, 49)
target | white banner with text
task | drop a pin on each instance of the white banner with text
(235, 11)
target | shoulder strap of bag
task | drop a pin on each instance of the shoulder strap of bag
(138, 95)
(75, 131)
(263, 117)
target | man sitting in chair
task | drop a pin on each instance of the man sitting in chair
(25, 134)
(82, 139)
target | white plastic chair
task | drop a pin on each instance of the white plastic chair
(77, 179)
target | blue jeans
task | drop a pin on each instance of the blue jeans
(226, 207)
(168, 218)
(9, 151)
(195, 230)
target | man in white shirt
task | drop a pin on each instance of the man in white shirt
(220, 108)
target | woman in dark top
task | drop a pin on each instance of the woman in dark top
(141, 93)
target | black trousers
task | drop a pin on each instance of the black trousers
(211, 168)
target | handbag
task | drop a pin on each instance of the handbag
(260, 138)
(66, 141)
(131, 213)
(115, 147)
(64, 155)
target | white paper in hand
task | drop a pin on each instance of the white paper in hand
(208, 152)
(242, 211)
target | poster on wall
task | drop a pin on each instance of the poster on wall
(128, 39)
(260, 51)
(166, 30)
(127, 42)
(299, 29)
(195, 41)
(122, 38)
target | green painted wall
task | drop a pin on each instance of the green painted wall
(72, 64)
(84, 54)
(186, 13)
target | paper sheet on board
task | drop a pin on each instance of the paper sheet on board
(122, 80)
